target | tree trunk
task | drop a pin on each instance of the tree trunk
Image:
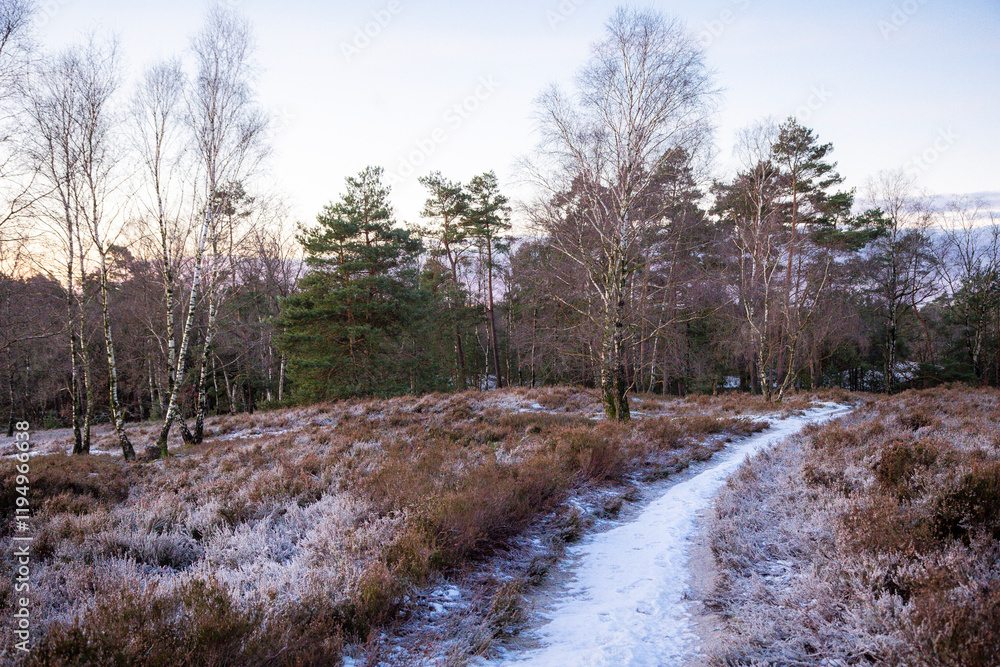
(281, 379)
(493, 324)
(230, 391)
(88, 392)
(178, 376)
(199, 423)
(890, 354)
(10, 388)
(116, 409)
(74, 385)
(459, 348)
(614, 380)
(764, 372)
(155, 396)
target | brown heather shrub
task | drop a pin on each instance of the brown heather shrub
(265, 548)
(553, 399)
(198, 624)
(958, 632)
(520, 424)
(834, 437)
(65, 483)
(650, 405)
(661, 432)
(473, 522)
(900, 461)
(881, 526)
(918, 419)
(915, 522)
(970, 503)
(596, 453)
(954, 618)
(373, 602)
(507, 613)
(701, 424)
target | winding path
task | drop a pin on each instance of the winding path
(624, 604)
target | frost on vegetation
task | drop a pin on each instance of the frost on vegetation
(338, 512)
(873, 540)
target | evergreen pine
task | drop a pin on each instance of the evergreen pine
(346, 330)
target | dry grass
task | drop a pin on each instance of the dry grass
(873, 540)
(286, 536)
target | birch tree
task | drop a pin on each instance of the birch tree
(750, 206)
(97, 79)
(228, 207)
(52, 94)
(645, 93)
(158, 118)
(901, 262)
(18, 191)
(228, 132)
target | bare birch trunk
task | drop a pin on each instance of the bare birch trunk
(281, 380)
(74, 345)
(178, 376)
(88, 389)
(614, 380)
(116, 409)
(199, 422)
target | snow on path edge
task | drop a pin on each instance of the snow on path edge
(625, 602)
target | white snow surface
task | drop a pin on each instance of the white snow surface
(624, 604)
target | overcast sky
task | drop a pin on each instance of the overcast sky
(891, 83)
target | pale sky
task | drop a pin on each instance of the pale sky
(891, 83)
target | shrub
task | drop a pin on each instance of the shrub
(956, 627)
(198, 624)
(880, 525)
(970, 503)
(68, 482)
(900, 461)
(507, 613)
(918, 419)
(661, 432)
(593, 453)
(915, 527)
(835, 437)
(374, 601)
(472, 522)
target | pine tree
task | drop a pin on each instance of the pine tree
(488, 218)
(346, 329)
(447, 208)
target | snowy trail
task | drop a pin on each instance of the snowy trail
(625, 602)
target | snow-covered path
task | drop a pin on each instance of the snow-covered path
(624, 604)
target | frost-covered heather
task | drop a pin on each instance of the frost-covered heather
(875, 540)
(289, 534)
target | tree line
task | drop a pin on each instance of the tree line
(146, 274)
